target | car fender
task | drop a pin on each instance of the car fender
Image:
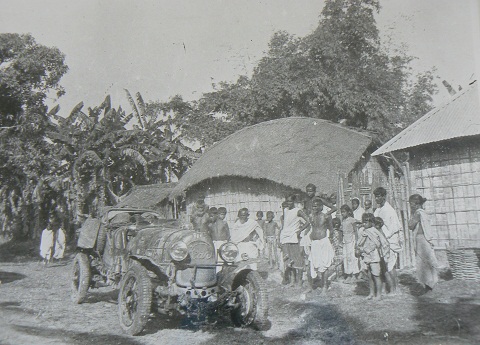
(231, 276)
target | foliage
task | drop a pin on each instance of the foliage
(158, 132)
(28, 73)
(341, 71)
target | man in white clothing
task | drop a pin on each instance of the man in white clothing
(247, 235)
(393, 231)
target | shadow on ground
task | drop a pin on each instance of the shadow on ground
(8, 277)
(95, 296)
(75, 338)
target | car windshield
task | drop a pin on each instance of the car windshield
(139, 218)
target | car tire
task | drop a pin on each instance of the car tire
(101, 240)
(253, 303)
(81, 276)
(134, 300)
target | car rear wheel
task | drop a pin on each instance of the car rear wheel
(252, 302)
(80, 278)
(134, 300)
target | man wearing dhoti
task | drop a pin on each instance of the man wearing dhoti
(322, 252)
(426, 262)
(247, 235)
(47, 243)
(60, 242)
(293, 259)
(392, 229)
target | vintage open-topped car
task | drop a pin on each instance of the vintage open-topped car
(161, 267)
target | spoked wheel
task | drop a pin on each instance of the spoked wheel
(80, 278)
(253, 303)
(134, 300)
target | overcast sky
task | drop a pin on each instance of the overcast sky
(162, 48)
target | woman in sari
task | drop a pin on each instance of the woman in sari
(426, 262)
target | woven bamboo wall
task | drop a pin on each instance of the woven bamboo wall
(448, 176)
(234, 193)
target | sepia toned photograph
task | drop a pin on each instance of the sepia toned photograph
(239, 172)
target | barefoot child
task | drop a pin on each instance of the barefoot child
(370, 246)
(322, 252)
(271, 231)
(378, 222)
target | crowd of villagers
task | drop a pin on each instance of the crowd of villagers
(315, 241)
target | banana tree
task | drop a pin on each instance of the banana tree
(90, 146)
(168, 157)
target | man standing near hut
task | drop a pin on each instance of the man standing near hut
(247, 235)
(310, 191)
(392, 229)
(294, 262)
(322, 252)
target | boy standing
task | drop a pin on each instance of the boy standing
(221, 222)
(322, 252)
(200, 218)
(371, 248)
(219, 229)
(392, 229)
(271, 232)
(260, 219)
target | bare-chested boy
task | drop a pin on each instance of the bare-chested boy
(271, 232)
(200, 218)
(322, 252)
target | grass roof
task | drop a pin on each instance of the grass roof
(147, 196)
(291, 151)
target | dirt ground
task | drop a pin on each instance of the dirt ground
(35, 308)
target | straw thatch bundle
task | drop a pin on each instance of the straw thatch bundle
(291, 151)
(147, 197)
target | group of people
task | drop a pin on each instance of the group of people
(53, 241)
(312, 236)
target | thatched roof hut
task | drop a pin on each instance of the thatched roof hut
(257, 166)
(153, 197)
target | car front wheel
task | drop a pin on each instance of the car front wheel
(252, 303)
(134, 300)
(80, 278)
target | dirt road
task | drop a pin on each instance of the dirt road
(35, 308)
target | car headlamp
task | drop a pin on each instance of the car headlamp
(178, 251)
(229, 252)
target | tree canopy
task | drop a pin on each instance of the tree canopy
(28, 73)
(341, 71)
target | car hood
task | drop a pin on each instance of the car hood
(154, 242)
